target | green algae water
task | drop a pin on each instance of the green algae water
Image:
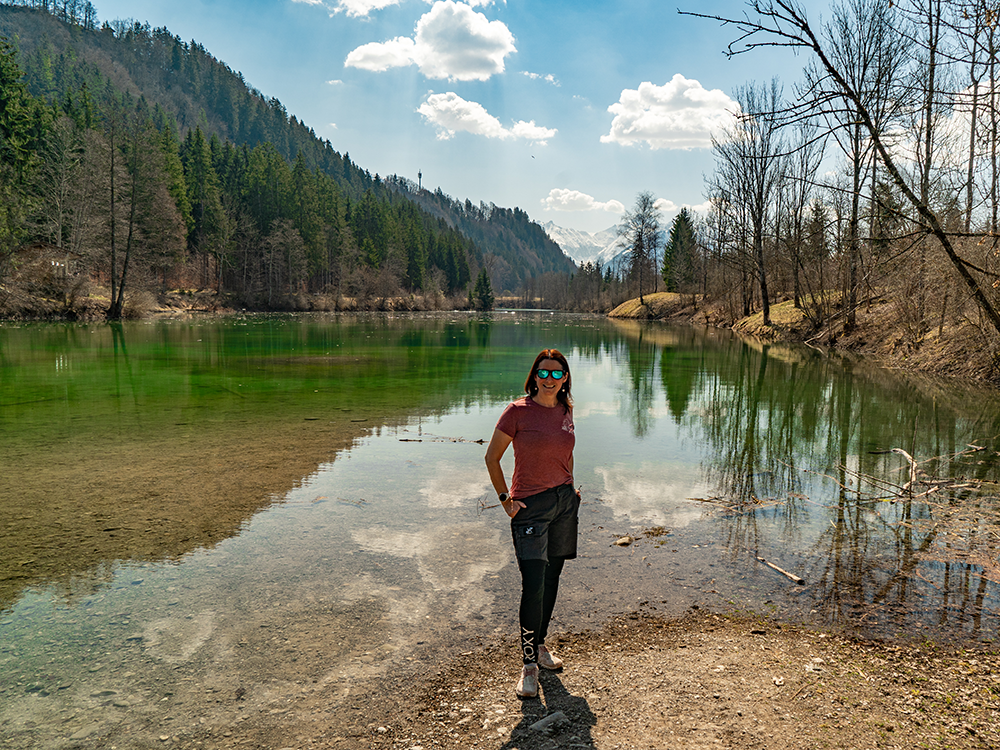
(194, 508)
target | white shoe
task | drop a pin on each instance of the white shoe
(548, 660)
(527, 686)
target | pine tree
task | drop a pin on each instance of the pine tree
(20, 120)
(16, 114)
(679, 254)
(482, 294)
(208, 220)
(176, 184)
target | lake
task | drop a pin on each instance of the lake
(277, 503)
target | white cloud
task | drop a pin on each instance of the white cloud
(560, 199)
(451, 114)
(335, 82)
(667, 206)
(531, 132)
(352, 8)
(451, 41)
(380, 56)
(680, 115)
(359, 8)
(539, 77)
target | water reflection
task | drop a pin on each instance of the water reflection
(142, 551)
(147, 441)
(790, 438)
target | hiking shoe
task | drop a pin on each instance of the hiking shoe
(527, 686)
(548, 660)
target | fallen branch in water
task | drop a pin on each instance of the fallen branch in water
(359, 503)
(790, 576)
(908, 487)
(441, 439)
(737, 506)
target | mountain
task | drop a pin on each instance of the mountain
(586, 247)
(514, 247)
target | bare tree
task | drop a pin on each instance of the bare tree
(143, 219)
(769, 23)
(863, 44)
(749, 167)
(640, 236)
(797, 190)
(63, 206)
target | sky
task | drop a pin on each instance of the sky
(567, 109)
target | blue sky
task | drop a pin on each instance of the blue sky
(564, 108)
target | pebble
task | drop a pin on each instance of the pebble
(86, 732)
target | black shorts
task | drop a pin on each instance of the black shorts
(547, 526)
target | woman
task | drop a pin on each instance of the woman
(541, 501)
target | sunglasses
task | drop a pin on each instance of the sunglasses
(556, 374)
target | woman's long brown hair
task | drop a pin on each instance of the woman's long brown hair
(563, 396)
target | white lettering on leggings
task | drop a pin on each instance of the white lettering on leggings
(526, 645)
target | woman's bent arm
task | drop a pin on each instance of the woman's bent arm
(494, 452)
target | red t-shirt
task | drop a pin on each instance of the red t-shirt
(543, 446)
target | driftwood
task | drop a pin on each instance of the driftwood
(442, 439)
(908, 487)
(790, 576)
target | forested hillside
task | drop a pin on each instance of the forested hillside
(515, 248)
(102, 121)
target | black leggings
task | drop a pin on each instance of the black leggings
(539, 586)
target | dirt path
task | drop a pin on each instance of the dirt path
(701, 681)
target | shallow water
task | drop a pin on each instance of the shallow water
(195, 507)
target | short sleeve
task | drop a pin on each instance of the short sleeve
(507, 424)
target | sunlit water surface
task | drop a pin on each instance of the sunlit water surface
(709, 452)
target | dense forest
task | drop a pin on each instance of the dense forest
(138, 161)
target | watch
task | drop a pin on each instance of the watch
(504, 497)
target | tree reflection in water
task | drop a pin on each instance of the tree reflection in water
(789, 436)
